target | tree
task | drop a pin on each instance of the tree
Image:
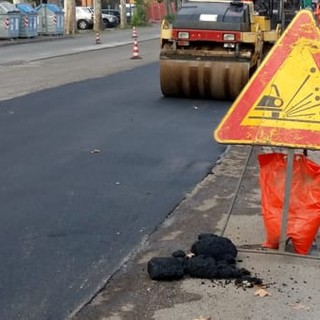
(70, 16)
(97, 16)
(123, 14)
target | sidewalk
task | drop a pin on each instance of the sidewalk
(79, 35)
(291, 280)
(45, 47)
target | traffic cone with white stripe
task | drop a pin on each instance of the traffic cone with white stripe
(98, 40)
(134, 32)
(136, 54)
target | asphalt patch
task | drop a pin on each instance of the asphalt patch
(212, 257)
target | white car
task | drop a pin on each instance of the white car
(84, 18)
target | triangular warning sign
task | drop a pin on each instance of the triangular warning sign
(280, 105)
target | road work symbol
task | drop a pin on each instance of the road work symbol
(271, 103)
(280, 106)
(292, 102)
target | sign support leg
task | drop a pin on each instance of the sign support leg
(286, 201)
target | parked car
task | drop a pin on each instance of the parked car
(130, 10)
(113, 12)
(84, 18)
(109, 20)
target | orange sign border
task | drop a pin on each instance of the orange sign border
(230, 131)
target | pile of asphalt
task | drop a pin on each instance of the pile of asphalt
(210, 257)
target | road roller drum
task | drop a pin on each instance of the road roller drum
(203, 79)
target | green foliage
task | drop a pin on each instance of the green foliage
(139, 17)
(170, 17)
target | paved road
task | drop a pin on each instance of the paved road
(89, 170)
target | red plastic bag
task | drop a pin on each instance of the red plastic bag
(304, 206)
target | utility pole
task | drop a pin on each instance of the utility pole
(123, 14)
(70, 16)
(97, 15)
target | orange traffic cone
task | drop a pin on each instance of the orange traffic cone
(134, 32)
(98, 40)
(135, 50)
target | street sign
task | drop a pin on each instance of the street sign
(280, 106)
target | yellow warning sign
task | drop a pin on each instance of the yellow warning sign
(292, 97)
(280, 106)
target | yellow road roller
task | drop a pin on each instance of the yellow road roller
(211, 47)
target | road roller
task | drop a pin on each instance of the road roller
(210, 48)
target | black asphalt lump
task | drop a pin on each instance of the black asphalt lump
(212, 257)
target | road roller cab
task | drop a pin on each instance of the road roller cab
(211, 47)
(233, 16)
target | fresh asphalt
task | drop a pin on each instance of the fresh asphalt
(87, 177)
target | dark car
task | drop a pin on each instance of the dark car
(109, 20)
(113, 12)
